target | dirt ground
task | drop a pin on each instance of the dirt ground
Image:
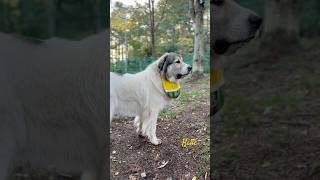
(133, 157)
(270, 125)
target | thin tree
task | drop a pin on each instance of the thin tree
(196, 11)
(51, 5)
(152, 27)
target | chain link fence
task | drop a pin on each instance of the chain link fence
(135, 65)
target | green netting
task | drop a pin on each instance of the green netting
(138, 64)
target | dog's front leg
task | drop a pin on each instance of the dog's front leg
(149, 126)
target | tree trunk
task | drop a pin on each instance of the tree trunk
(196, 11)
(98, 15)
(281, 25)
(152, 27)
(51, 18)
(5, 15)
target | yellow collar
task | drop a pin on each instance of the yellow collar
(172, 89)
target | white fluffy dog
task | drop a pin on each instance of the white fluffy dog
(143, 96)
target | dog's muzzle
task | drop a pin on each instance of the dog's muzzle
(179, 76)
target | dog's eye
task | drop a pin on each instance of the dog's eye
(218, 2)
(178, 62)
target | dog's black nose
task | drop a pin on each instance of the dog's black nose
(255, 21)
(189, 68)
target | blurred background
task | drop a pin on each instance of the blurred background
(270, 125)
(43, 19)
(141, 31)
(47, 18)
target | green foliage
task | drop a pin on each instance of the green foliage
(169, 47)
(173, 27)
(72, 19)
(310, 18)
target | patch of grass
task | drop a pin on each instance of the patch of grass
(278, 136)
(168, 114)
(230, 155)
(241, 124)
(188, 96)
(204, 157)
(238, 104)
(205, 151)
(311, 82)
(311, 43)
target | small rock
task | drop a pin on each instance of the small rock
(187, 175)
(116, 173)
(132, 177)
(143, 175)
(114, 152)
(157, 157)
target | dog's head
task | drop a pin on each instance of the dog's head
(171, 65)
(233, 25)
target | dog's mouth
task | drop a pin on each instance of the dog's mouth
(180, 76)
(221, 46)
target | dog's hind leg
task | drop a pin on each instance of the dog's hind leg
(137, 124)
(138, 121)
(111, 114)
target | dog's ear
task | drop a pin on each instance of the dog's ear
(162, 62)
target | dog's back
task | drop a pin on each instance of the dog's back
(53, 104)
(124, 87)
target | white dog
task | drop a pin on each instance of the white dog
(144, 95)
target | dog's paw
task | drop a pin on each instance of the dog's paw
(156, 141)
(138, 130)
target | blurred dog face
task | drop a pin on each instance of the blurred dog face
(233, 25)
(173, 67)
